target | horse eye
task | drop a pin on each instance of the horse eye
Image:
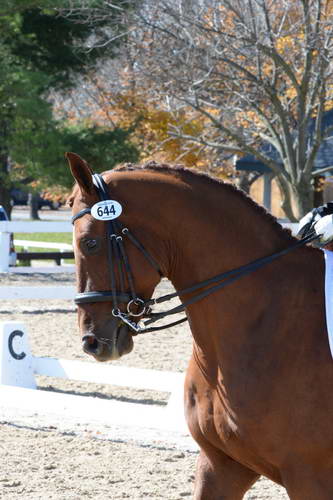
(90, 246)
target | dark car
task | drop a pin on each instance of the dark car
(20, 197)
(12, 253)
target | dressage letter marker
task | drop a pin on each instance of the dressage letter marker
(106, 210)
(13, 353)
(16, 361)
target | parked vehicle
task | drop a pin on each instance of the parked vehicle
(21, 197)
(12, 253)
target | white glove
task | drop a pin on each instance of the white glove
(324, 228)
(309, 218)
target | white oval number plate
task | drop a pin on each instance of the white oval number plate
(106, 210)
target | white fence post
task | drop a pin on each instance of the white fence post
(7, 227)
(16, 362)
(4, 252)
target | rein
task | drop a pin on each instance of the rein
(116, 253)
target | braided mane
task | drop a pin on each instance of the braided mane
(181, 171)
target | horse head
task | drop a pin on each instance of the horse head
(114, 276)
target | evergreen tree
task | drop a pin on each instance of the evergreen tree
(40, 51)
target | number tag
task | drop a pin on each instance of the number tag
(106, 210)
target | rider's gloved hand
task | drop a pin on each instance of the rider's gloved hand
(319, 221)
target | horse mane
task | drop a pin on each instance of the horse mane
(185, 172)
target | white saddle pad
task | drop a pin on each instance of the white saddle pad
(329, 295)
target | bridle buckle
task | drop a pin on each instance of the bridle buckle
(125, 319)
(136, 302)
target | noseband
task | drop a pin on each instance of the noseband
(137, 307)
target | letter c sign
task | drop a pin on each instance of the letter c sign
(15, 355)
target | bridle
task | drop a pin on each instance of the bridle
(137, 307)
(115, 233)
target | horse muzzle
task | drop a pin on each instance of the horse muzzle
(110, 345)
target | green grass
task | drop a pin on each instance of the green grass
(47, 237)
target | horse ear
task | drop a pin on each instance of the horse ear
(81, 172)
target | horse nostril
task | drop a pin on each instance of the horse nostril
(90, 344)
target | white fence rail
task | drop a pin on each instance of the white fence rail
(37, 292)
(18, 388)
(42, 244)
(7, 227)
(35, 227)
(51, 269)
(120, 376)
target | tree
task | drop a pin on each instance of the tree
(99, 146)
(40, 51)
(254, 71)
(97, 104)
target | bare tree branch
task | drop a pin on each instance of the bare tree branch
(255, 71)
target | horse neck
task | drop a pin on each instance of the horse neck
(216, 229)
(196, 230)
(203, 230)
(193, 227)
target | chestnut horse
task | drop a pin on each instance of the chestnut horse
(259, 386)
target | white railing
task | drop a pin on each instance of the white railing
(35, 227)
(42, 244)
(7, 227)
(65, 292)
(18, 388)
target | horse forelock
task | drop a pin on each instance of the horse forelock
(193, 175)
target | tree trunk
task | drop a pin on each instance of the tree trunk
(303, 194)
(286, 197)
(297, 199)
(318, 186)
(244, 180)
(33, 205)
(5, 184)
